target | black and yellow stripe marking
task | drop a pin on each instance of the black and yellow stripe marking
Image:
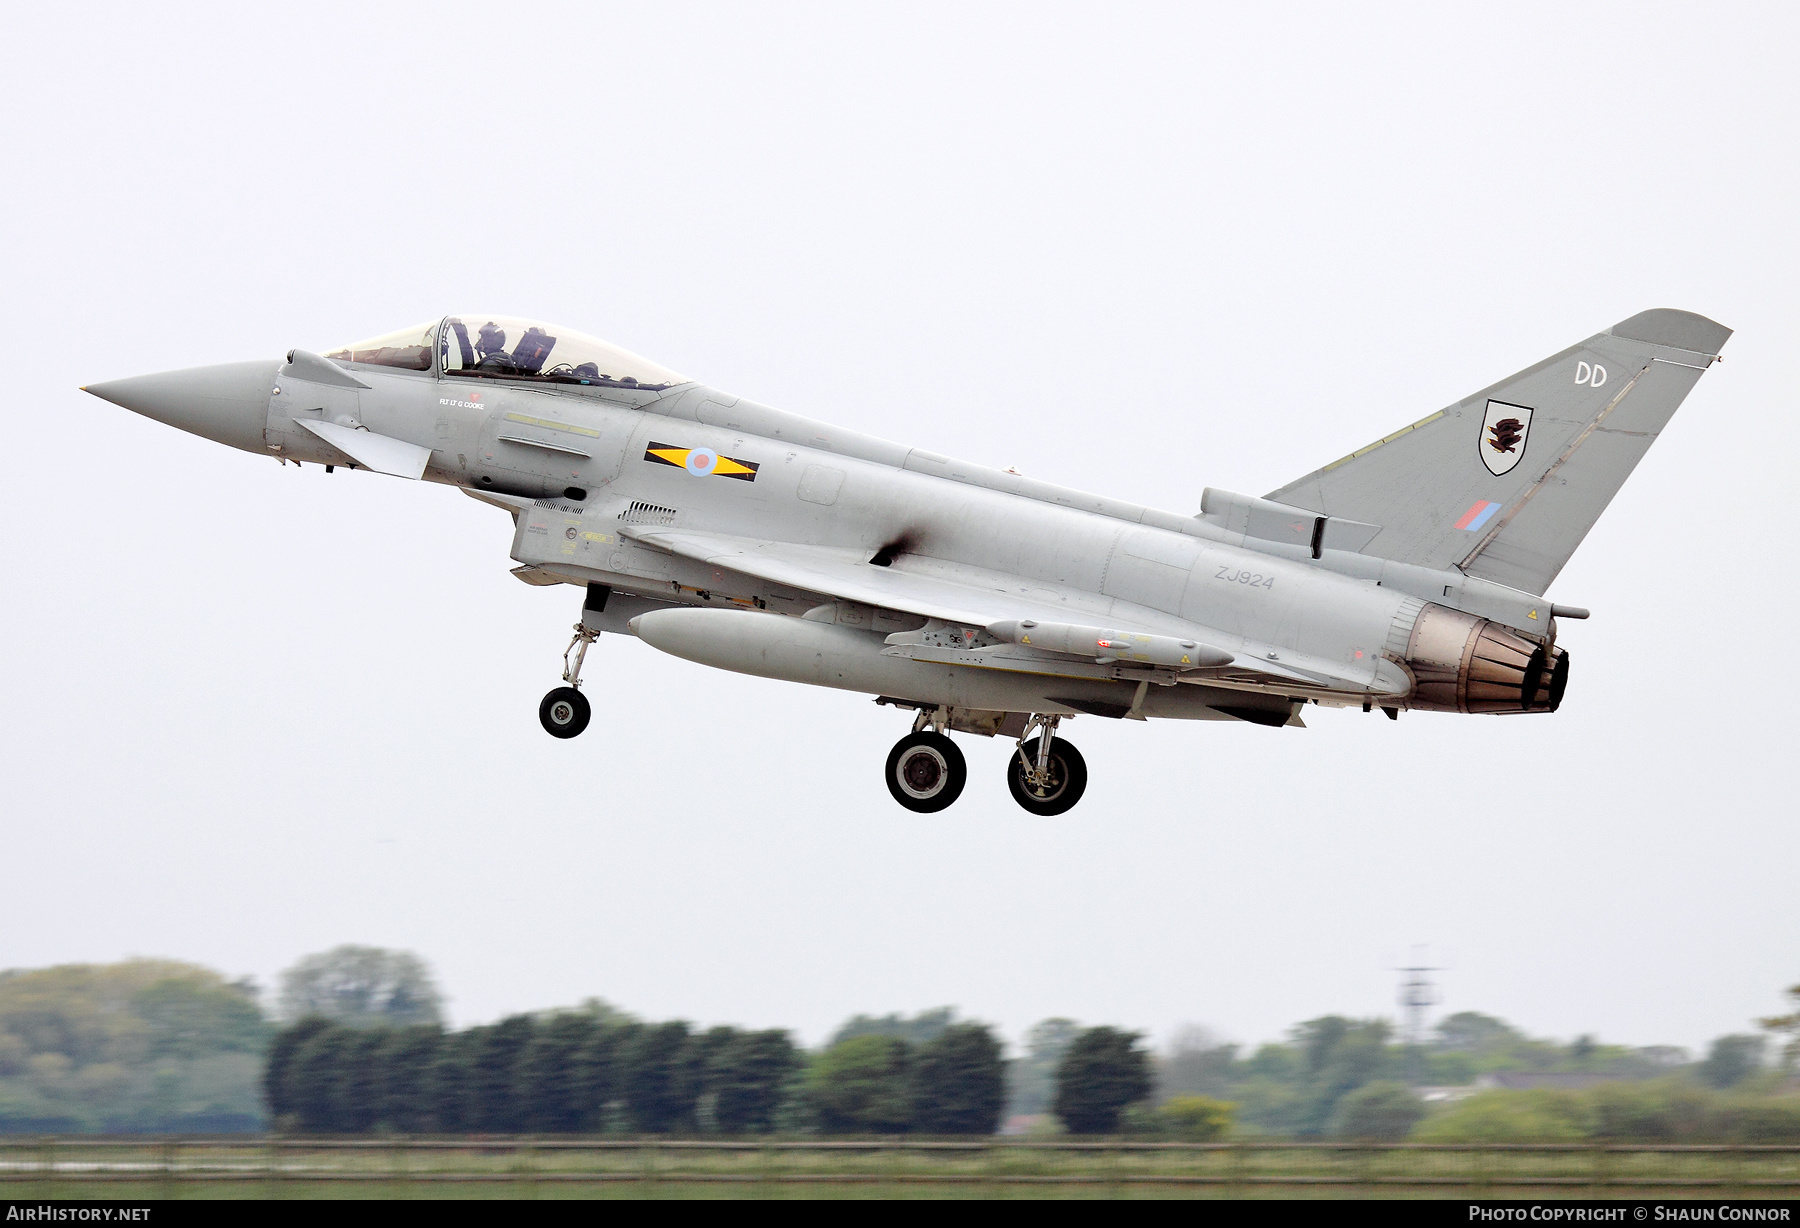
(722, 467)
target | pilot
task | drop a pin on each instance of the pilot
(492, 340)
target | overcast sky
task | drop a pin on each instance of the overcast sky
(253, 712)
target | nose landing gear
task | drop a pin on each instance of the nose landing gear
(565, 711)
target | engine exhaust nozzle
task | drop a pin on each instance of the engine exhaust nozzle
(1461, 663)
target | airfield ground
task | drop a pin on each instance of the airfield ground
(590, 1168)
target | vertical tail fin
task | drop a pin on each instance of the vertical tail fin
(1506, 483)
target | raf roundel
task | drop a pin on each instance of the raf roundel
(701, 462)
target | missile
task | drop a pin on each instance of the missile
(1104, 646)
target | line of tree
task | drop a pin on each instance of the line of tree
(594, 1071)
(154, 1046)
(1348, 1078)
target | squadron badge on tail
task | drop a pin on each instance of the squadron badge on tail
(1503, 434)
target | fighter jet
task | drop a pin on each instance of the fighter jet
(1407, 576)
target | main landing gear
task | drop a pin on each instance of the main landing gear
(1046, 775)
(926, 771)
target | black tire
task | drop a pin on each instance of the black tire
(564, 712)
(926, 772)
(1068, 778)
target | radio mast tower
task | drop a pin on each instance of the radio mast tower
(1417, 995)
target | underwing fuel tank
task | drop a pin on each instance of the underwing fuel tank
(826, 654)
(1461, 663)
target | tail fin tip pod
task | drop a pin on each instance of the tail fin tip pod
(1506, 483)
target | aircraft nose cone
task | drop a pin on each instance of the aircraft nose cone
(228, 403)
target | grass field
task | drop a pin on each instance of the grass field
(248, 1167)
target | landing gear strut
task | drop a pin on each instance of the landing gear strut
(565, 711)
(1046, 775)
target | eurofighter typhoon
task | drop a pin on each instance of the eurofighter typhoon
(1409, 575)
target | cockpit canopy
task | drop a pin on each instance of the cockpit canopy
(503, 347)
(409, 349)
(509, 348)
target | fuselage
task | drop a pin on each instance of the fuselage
(746, 538)
(587, 468)
(1095, 560)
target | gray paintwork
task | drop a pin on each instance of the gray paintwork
(853, 562)
(1584, 440)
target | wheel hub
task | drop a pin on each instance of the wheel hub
(564, 713)
(1047, 776)
(923, 772)
(1047, 783)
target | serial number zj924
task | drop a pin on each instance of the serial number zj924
(1255, 579)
